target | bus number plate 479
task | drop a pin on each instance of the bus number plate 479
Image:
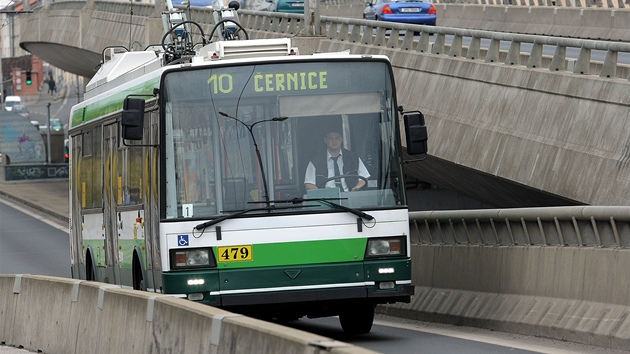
(235, 253)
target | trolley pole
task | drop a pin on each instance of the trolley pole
(48, 156)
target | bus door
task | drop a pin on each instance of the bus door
(151, 198)
(110, 191)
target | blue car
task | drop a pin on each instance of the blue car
(419, 12)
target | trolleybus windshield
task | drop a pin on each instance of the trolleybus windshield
(239, 137)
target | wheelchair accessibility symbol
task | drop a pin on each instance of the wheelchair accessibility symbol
(182, 240)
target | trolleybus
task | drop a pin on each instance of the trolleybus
(188, 167)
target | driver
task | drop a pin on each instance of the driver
(337, 161)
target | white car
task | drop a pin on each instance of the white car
(11, 101)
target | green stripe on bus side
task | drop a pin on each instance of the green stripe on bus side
(304, 252)
(126, 247)
(112, 103)
(97, 251)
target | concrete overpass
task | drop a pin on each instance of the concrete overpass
(507, 128)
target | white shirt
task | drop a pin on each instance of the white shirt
(311, 178)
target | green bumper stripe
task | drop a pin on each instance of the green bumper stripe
(306, 252)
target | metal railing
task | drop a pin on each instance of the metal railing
(403, 37)
(620, 4)
(481, 45)
(594, 226)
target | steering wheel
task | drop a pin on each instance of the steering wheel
(323, 183)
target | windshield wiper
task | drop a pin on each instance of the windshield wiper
(241, 212)
(328, 202)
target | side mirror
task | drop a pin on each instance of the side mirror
(132, 118)
(416, 133)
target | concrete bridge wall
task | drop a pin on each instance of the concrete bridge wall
(550, 272)
(554, 132)
(560, 133)
(58, 315)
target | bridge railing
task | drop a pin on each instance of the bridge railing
(621, 4)
(484, 45)
(481, 45)
(594, 226)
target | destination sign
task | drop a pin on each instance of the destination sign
(273, 82)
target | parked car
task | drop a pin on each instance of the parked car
(11, 101)
(288, 6)
(193, 3)
(21, 110)
(66, 151)
(419, 12)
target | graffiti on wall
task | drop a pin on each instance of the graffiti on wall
(20, 140)
(28, 172)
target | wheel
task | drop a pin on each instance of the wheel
(138, 278)
(323, 183)
(357, 319)
(90, 274)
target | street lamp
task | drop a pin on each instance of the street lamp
(49, 154)
(250, 128)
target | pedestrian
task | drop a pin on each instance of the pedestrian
(51, 86)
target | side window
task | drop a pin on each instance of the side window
(129, 175)
(97, 167)
(89, 168)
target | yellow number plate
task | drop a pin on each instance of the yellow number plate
(235, 253)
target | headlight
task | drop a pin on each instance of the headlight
(192, 258)
(383, 247)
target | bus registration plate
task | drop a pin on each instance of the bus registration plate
(235, 253)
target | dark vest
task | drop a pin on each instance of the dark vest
(350, 167)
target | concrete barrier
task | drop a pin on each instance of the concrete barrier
(594, 23)
(59, 315)
(577, 294)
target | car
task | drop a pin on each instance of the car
(193, 3)
(66, 151)
(419, 12)
(21, 110)
(287, 6)
(55, 125)
(11, 101)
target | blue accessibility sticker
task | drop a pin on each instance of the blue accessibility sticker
(182, 240)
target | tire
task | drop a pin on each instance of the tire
(138, 278)
(90, 274)
(357, 319)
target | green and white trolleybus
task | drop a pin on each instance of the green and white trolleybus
(187, 177)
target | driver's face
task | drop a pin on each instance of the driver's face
(333, 141)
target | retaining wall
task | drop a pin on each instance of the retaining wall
(576, 294)
(59, 315)
(592, 23)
